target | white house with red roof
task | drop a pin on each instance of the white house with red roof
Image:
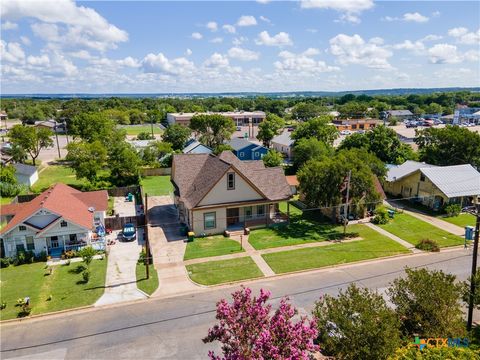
(59, 219)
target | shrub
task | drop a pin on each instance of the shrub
(69, 254)
(143, 257)
(50, 297)
(3, 305)
(86, 275)
(381, 216)
(428, 245)
(452, 210)
(26, 310)
(10, 190)
(42, 256)
(145, 136)
(5, 262)
(432, 353)
(87, 254)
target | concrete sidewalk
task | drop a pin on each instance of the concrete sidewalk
(394, 238)
(121, 282)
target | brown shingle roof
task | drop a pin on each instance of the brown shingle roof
(195, 175)
(65, 201)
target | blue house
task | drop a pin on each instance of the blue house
(246, 150)
(195, 147)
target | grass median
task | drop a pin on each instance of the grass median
(148, 286)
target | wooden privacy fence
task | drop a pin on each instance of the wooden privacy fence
(156, 172)
(117, 222)
(124, 190)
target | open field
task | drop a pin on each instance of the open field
(137, 129)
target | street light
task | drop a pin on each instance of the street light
(474, 266)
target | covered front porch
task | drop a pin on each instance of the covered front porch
(254, 216)
(59, 244)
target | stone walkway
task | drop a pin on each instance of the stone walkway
(121, 281)
(394, 238)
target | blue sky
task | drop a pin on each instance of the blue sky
(62, 46)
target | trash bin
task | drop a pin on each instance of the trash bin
(130, 197)
(191, 236)
(183, 230)
(391, 213)
(469, 232)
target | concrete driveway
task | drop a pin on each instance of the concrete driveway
(168, 247)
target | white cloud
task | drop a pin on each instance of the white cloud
(12, 52)
(431, 37)
(25, 40)
(42, 60)
(188, 52)
(415, 17)
(7, 25)
(239, 40)
(449, 54)
(246, 20)
(129, 62)
(463, 36)
(217, 40)
(216, 60)
(265, 19)
(376, 40)
(280, 39)
(229, 28)
(81, 26)
(212, 26)
(350, 9)
(243, 54)
(354, 50)
(161, 64)
(302, 64)
(416, 46)
(313, 31)
(197, 36)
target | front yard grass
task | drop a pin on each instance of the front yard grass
(146, 285)
(224, 271)
(294, 211)
(211, 246)
(373, 245)
(157, 185)
(300, 231)
(461, 220)
(65, 285)
(137, 129)
(413, 230)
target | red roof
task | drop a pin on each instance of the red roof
(63, 200)
(292, 180)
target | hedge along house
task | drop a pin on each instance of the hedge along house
(218, 193)
(59, 219)
(434, 186)
(246, 150)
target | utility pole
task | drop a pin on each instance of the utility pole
(474, 269)
(58, 146)
(145, 233)
(345, 210)
(151, 124)
(66, 132)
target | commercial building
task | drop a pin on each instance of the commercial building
(240, 118)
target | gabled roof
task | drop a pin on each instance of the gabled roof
(283, 139)
(456, 180)
(63, 200)
(194, 175)
(396, 172)
(22, 169)
(292, 180)
(240, 143)
(193, 145)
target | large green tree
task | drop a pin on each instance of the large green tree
(30, 139)
(269, 128)
(93, 126)
(319, 128)
(177, 135)
(87, 159)
(428, 304)
(452, 145)
(124, 163)
(213, 129)
(272, 158)
(308, 149)
(306, 111)
(155, 151)
(358, 324)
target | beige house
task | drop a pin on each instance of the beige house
(434, 186)
(283, 143)
(218, 193)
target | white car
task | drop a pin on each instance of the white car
(345, 132)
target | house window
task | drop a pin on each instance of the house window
(20, 248)
(260, 211)
(63, 224)
(209, 220)
(73, 238)
(30, 243)
(248, 212)
(422, 177)
(242, 154)
(231, 181)
(22, 228)
(257, 154)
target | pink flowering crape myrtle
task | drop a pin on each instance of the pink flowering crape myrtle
(248, 330)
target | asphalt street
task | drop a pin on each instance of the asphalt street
(173, 328)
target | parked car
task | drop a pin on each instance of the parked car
(129, 233)
(345, 132)
(411, 124)
(239, 128)
(361, 131)
(290, 128)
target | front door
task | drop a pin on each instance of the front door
(232, 216)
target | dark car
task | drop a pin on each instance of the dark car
(129, 233)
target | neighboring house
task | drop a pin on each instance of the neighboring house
(293, 183)
(356, 124)
(196, 147)
(26, 174)
(59, 219)
(218, 193)
(400, 114)
(283, 143)
(246, 150)
(3, 116)
(238, 117)
(434, 186)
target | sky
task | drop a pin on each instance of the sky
(63, 46)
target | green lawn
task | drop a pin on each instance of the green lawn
(219, 272)
(293, 209)
(64, 284)
(373, 245)
(413, 230)
(157, 185)
(147, 285)
(299, 231)
(461, 220)
(211, 246)
(137, 129)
